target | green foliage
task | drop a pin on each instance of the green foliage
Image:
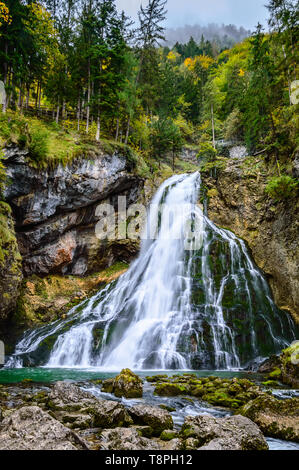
(207, 152)
(39, 145)
(282, 187)
(233, 126)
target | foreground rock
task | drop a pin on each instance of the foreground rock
(285, 367)
(125, 439)
(146, 415)
(276, 418)
(30, 428)
(233, 433)
(126, 384)
(81, 410)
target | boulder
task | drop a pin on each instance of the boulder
(31, 428)
(126, 384)
(125, 439)
(170, 389)
(276, 418)
(233, 433)
(284, 367)
(158, 419)
(80, 409)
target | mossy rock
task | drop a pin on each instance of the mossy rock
(270, 383)
(156, 378)
(168, 435)
(126, 384)
(167, 408)
(276, 418)
(222, 399)
(276, 373)
(170, 390)
(107, 386)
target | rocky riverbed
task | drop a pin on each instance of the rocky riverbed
(175, 412)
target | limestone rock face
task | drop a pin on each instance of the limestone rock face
(56, 212)
(284, 367)
(125, 439)
(80, 409)
(31, 428)
(233, 433)
(155, 417)
(276, 418)
(10, 263)
(238, 202)
(126, 384)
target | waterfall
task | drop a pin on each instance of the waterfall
(192, 299)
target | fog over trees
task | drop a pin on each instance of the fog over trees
(227, 35)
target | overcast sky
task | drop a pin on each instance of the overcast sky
(245, 13)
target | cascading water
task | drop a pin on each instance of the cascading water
(192, 299)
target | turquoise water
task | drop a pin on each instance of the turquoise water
(49, 375)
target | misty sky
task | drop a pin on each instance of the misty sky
(245, 13)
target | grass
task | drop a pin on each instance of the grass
(48, 143)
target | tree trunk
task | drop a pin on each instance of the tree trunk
(40, 96)
(98, 133)
(117, 129)
(78, 114)
(57, 112)
(128, 131)
(88, 100)
(213, 125)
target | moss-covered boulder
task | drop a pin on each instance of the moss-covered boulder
(218, 392)
(276, 418)
(284, 367)
(170, 390)
(126, 384)
(10, 263)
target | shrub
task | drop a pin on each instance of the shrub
(282, 187)
(207, 152)
(39, 145)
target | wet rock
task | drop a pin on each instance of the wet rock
(233, 433)
(276, 418)
(126, 384)
(214, 390)
(80, 409)
(125, 439)
(170, 390)
(152, 416)
(30, 428)
(271, 231)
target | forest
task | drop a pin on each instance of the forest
(86, 69)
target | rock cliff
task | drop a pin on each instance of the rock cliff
(10, 263)
(55, 212)
(238, 202)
